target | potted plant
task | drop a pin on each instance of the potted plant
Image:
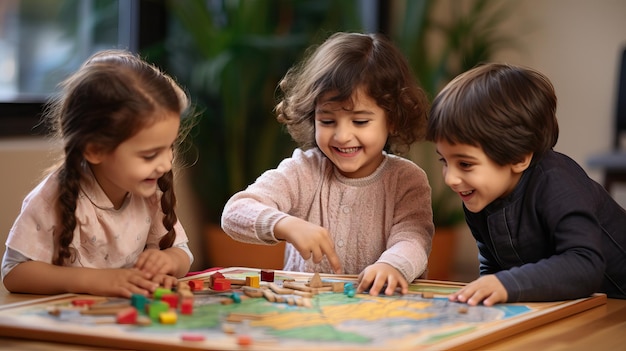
(231, 56)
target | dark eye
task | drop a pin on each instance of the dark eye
(325, 122)
(360, 122)
(465, 165)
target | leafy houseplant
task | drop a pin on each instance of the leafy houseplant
(231, 55)
(439, 45)
(438, 49)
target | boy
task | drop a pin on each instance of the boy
(545, 231)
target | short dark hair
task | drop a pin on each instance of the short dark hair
(509, 111)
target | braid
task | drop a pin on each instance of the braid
(168, 203)
(69, 177)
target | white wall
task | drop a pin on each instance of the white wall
(577, 44)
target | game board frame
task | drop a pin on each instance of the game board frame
(110, 336)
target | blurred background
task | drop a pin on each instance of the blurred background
(231, 54)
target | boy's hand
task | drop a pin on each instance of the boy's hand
(309, 239)
(486, 289)
(375, 276)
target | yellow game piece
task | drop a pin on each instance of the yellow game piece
(253, 281)
(169, 317)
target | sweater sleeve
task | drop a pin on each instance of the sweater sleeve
(410, 240)
(250, 215)
(572, 264)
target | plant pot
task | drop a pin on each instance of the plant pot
(441, 259)
(223, 251)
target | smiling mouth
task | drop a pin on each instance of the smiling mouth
(348, 150)
(465, 193)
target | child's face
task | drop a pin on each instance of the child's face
(474, 176)
(352, 137)
(138, 162)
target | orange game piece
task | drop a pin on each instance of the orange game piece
(244, 340)
(196, 284)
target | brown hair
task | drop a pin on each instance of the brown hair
(343, 63)
(109, 99)
(508, 111)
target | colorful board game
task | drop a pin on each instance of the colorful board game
(320, 319)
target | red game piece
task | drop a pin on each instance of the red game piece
(83, 302)
(171, 299)
(215, 276)
(221, 284)
(196, 284)
(267, 276)
(192, 337)
(127, 316)
(186, 306)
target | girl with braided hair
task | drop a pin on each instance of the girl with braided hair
(103, 222)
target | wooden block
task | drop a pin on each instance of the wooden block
(214, 276)
(252, 292)
(316, 281)
(186, 306)
(297, 286)
(195, 285)
(221, 284)
(84, 302)
(168, 317)
(253, 281)
(170, 299)
(337, 287)
(303, 293)
(269, 295)
(428, 295)
(156, 308)
(160, 292)
(127, 316)
(267, 275)
(279, 290)
(138, 301)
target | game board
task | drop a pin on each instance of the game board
(334, 321)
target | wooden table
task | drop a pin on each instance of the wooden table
(600, 328)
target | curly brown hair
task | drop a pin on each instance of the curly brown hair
(342, 64)
(111, 97)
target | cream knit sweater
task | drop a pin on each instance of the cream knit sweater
(384, 217)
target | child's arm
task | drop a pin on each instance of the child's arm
(36, 277)
(309, 239)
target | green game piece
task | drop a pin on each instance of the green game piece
(158, 307)
(159, 292)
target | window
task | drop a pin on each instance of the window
(41, 42)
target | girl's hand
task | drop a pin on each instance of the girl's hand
(375, 276)
(487, 289)
(155, 262)
(309, 239)
(121, 282)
